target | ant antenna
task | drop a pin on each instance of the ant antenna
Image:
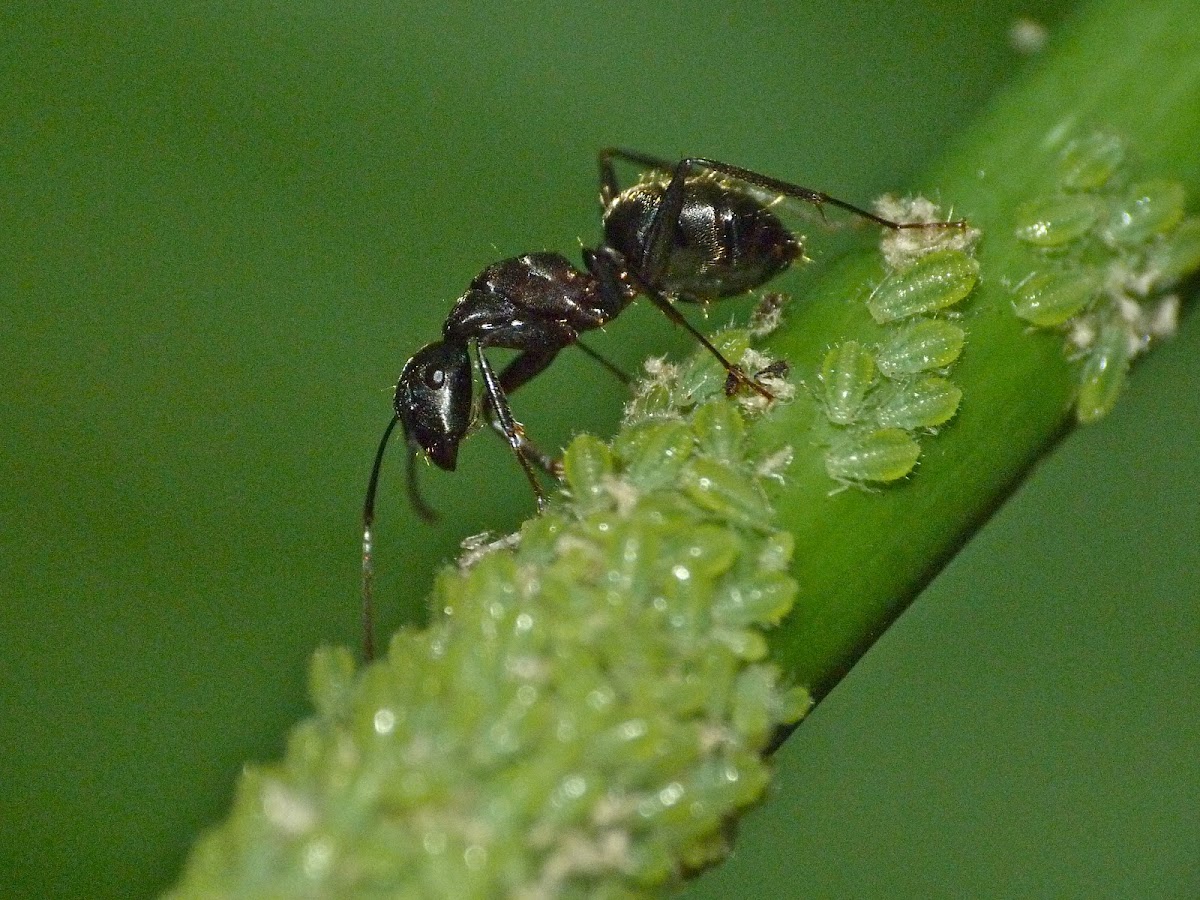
(368, 545)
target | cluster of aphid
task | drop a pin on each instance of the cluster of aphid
(588, 710)
(1108, 254)
(880, 399)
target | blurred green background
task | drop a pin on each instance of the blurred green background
(226, 226)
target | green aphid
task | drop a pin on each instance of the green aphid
(587, 467)
(656, 452)
(777, 552)
(702, 376)
(707, 551)
(307, 746)
(744, 643)
(759, 702)
(1056, 221)
(374, 693)
(847, 373)
(1178, 254)
(1104, 372)
(887, 454)
(935, 281)
(755, 692)
(919, 347)
(1088, 162)
(719, 429)
(716, 488)
(926, 402)
(655, 401)
(1047, 299)
(330, 679)
(1148, 208)
(754, 601)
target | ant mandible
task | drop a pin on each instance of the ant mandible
(696, 230)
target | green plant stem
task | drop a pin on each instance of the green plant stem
(1130, 67)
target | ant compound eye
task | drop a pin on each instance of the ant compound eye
(435, 379)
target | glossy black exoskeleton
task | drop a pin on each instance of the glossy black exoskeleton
(697, 230)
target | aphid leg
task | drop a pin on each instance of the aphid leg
(512, 430)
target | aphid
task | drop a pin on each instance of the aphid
(658, 452)
(887, 454)
(765, 597)
(1047, 299)
(720, 431)
(924, 345)
(1149, 208)
(847, 373)
(768, 314)
(1056, 221)
(587, 466)
(925, 402)
(697, 230)
(1178, 254)
(935, 281)
(1104, 371)
(1087, 162)
(718, 488)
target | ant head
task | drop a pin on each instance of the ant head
(433, 400)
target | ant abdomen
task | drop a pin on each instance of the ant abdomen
(725, 242)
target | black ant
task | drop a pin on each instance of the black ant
(697, 230)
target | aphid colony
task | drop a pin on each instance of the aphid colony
(1105, 255)
(880, 399)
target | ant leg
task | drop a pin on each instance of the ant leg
(608, 176)
(526, 366)
(818, 199)
(659, 241)
(680, 171)
(611, 287)
(660, 236)
(621, 376)
(512, 430)
(517, 373)
(523, 369)
(735, 376)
